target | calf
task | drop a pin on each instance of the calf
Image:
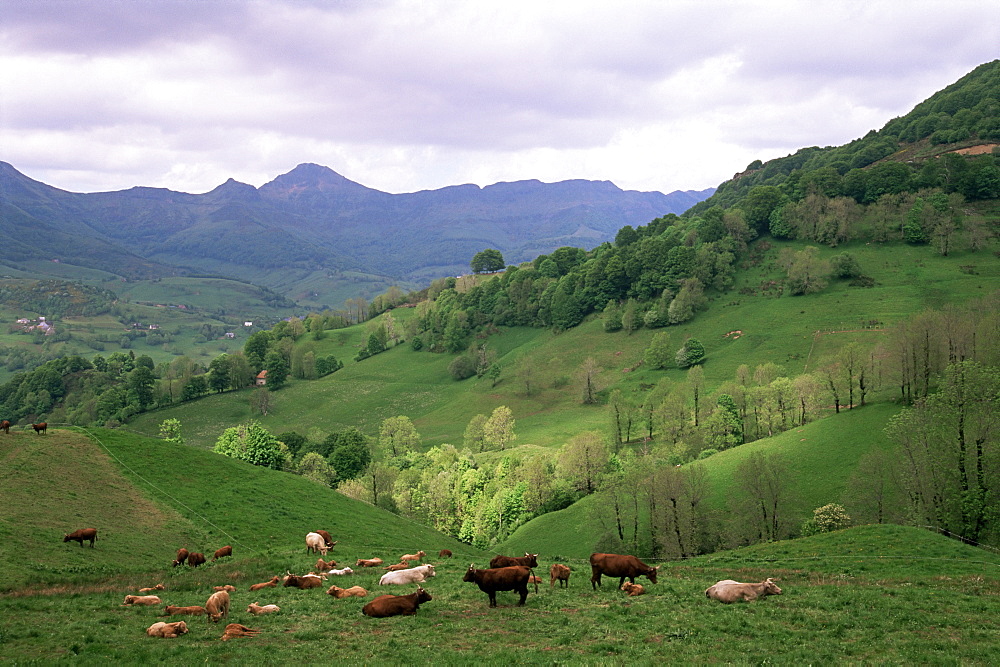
(234, 630)
(633, 589)
(396, 605)
(513, 578)
(414, 575)
(341, 572)
(182, 555)
(315, 542)
(267, 584)
(217, 606)
(303, 582)
(728, 591)
(40, 428)
(409, 558)
(195, 559)
(559, 572)
(527, 560)
(341, 593)
(157, 587)
(167, 630)
(195, 610)
(325, 564)
(444, 553)
(223, 552)
(82, 535)
(146, 600)
(229, 588)
(396, 567)
(257, 610)
(368, 562)
(5, 426)
(534, 580)
(617, 565)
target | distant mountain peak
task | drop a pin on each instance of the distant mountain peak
(310, 176)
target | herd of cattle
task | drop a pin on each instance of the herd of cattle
(505, 573)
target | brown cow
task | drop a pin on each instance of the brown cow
(560, 572)
(633, 590)
(195, 559)
(534, 580)
(396, 605)
(304, 581)
(81, 536)
(527, 560)
(407, 558)
(444, 553)
(182, 555)
(257, 609)
(396, 567)
(5, 426)
(157, 587)
(513, 578)
(229, 588)
(142, 600)
(194, 610)
(234, 630)
(326, 538)
(340, 593)
(267, 584)
(325, 564)
(167, 630)
(217, 606)
(617, 565)
(223, 552)
(728, 591)
(368, 562)
(40, 428)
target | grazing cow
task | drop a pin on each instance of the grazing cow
(167, 630)
(257, 610)
(194, 610)
(414, 575)
(560, 572)
(341, 572)
(396, 605)
(633, 589)
(396, 567)
(409, 558)
(234, 630)
(223, 552)
(182, 555)
(217, 606)
(303, 582)
(195, 559)
(326, 538)
(616, 565)
(229, 588)
(40, 428)
(444, 553)
(325, 564)
(267, 584)
(513, 578)
(157, 587)
(81, 536)
(728, 591)
(341, 593)
(315, 542)
(143, 600)
(5, 426)
(527, 560)
(368, 562)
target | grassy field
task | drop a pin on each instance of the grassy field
(883, 594)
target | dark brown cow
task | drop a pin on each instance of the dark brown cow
(305, 581)
(81, 536)
(5, 426)
(223, 552)
(182, 555)
(40, 428)
(444, 553)
(326, 538)
(616, 565)
(527, 560)
(396, 605)
(513, 578)
(195, 559)
(560, 572)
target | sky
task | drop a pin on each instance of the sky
(407, 95)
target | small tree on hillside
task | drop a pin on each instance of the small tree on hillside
(487, 261)
(498, 431)
(252, 443)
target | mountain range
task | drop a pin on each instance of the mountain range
(313, 221)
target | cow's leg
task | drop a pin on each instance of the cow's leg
(493, 598)
(524, 595)
(595, 580)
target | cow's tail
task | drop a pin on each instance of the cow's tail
(532, 573)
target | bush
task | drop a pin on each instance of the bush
(826, 519)
(705, 453)
(462, 367)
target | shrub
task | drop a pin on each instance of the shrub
(826, 519)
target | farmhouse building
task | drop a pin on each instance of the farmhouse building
(261, 379)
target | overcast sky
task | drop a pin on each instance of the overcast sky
(418, 94)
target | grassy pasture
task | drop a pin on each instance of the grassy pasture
(868, 594)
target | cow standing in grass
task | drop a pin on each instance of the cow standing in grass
(617, 565)
(81, 536)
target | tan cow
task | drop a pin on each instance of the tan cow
(257, 609)
(633, 590)
(195, 610)
(559, 572)
(341, 593)
(368, 562)
(266, 584)
(157, 587)
(217, 606)
(315, 542)
(229, 588)
(409, 558)
(146, 600)
(234, 630)
(728, 591)
(167, 630)
(322, 565)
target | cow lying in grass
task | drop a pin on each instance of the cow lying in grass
(368, 562)
(396, 605)
(266, 584)
(303, 581)
(167, 630)
(633, 589)
(234, 630)
(157, 587)
(147, 600)
(341, 593)
(229, 588)
(728, 591)
(257, 609)
(195, 610)
(413, 575)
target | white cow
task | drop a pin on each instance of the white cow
(341, 572)
(315, 542)
(729, 590)
(413, 575)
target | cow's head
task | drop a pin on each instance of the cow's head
(651, 573)
(771, 588)
(66, 538)
(180, 627)
(532, 559)
(470, 574)
(422, 595)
